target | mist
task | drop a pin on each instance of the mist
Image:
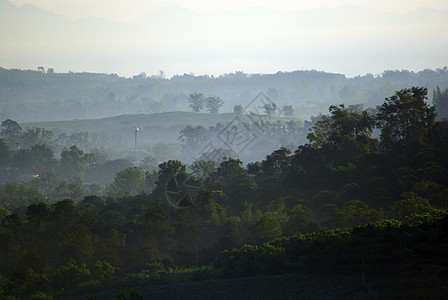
(347, 39)
(236, 149)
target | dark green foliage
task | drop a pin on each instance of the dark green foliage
(406, 120)
(385, 247)
(366, 211)
(14, 195)
(128, 182)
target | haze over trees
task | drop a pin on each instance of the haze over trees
(31, 96)
(334, 204)
(196, 101)
(440, 101)
(216, 183)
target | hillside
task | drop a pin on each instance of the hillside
(129, 121)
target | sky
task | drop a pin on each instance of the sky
(129, 10)
(128, 37)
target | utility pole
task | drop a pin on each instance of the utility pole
(136, 130)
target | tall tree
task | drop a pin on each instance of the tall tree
(196, 101)
(193, 139)
(128, 182)
(11, 132)
(169, 170)
(213, 104)
(238, 109)
(288, 110)
(270, 109)
(36, 136)
(277, 162)
(72, 162)
(352, 122)
(405, 119)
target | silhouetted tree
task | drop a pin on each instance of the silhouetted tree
(238, 110)
(405, 119)
(36, 136)
(11, 132)
(288, 110)
(196, 101)
(213, 104)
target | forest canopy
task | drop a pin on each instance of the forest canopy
(334, 204)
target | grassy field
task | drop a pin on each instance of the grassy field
(167, 119)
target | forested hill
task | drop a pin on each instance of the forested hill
(45, 95)
(365, 216)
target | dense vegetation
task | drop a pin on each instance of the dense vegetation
(345, 203)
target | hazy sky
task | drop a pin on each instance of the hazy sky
(216, 37)
(128, 10)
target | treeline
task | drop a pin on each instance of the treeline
(415, 246)
(33, 96)
(343, 177)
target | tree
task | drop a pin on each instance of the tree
(196, 101)
(300, 220)
(93, 205)
(5, 154)
(148, 163)
(192, 138)
(351, 122)
(288, 110)
(45, 183)
(157, 220)
(73, 189)
(277, 162)
(213, 104)
(13, 195)
(270, 109)
(37, 212)
(411, 203)
(128, 182)
(64, 212)
(440, 101)
(202, 169)
(405, 119)
(72, 162)
(37, 159)
(267, 228)
(80, 139)
(36, 136)
(11, 132)
(69, 277)
(238, 110)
